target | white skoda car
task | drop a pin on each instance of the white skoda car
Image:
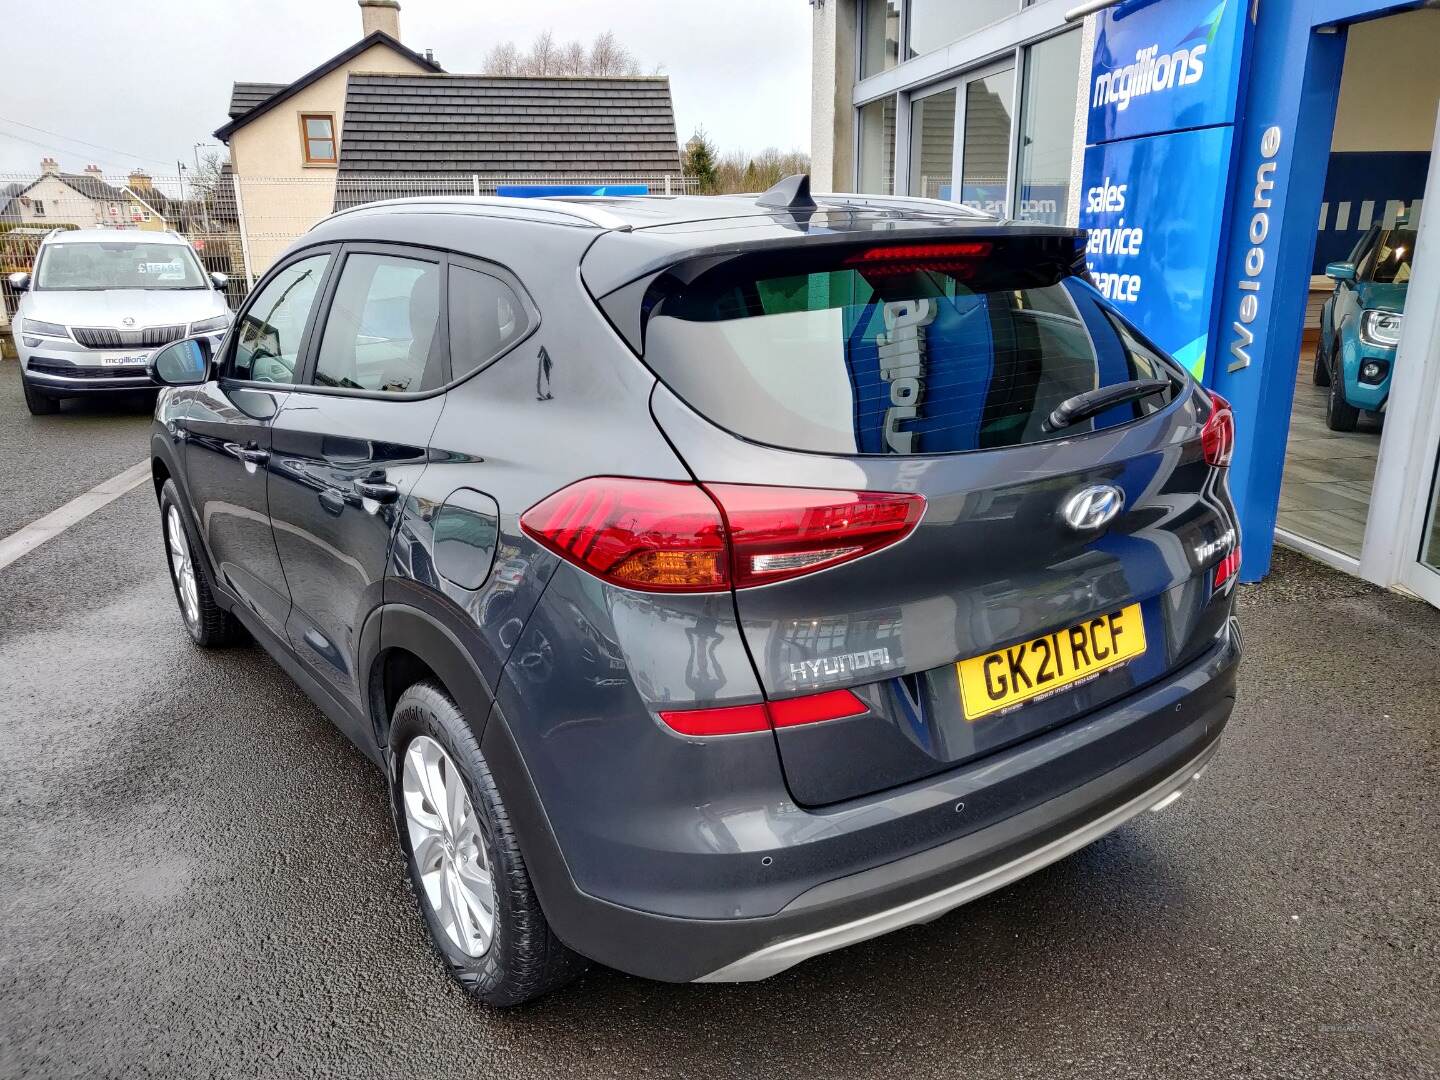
(99, 301)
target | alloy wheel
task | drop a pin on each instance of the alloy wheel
(451, 857)
(182, 567)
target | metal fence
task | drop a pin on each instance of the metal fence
(238, 225)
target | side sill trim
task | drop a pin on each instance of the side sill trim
(775, 958)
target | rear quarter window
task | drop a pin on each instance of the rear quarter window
(932, 355)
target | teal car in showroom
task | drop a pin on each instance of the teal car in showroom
(1360, 324)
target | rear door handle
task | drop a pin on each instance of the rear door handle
(379, 490)
(252, 454)
(332, 501)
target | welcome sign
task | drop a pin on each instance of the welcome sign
(1163, 92)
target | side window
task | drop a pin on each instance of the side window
(382, 329)
(486, 318)
(268, 342)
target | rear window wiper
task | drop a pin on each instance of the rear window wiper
(1087, 404)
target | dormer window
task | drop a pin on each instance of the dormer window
(317, 135)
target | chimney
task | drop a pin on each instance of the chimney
(93, 170)
(380, 15)
(139, 180)
(48, 166)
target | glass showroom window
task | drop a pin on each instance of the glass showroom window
(879, 36)
(1047, 128)
(936, 23)
(985, 146)
(932, 145)
(877, 147)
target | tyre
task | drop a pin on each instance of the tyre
(1320, 372)
(466, 870)
(210, 625)
(37, 401)
(1340, 415)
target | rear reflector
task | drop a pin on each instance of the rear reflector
(675, 536)
(1227, 568)
(742, 719)
(734, 720)
(813, 708)
(1217, 437)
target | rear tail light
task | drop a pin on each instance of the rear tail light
(1218, 435)
(743, 719)
(671, 536)
(778, 533)
(1227, 568)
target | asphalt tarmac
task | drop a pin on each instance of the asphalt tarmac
(198, 874)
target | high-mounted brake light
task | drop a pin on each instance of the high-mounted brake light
(674, 536)
(743, 719)
(955, 259)
(970, 249)
(1217, 437)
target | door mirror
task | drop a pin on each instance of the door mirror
(1340, 271)
(20, 282)
(220, 280)
(183, 363)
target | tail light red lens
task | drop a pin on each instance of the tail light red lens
(1218, 435)
(671, 536)
(741, 719)
(658, 535)
(1227, 568)
(778, 533)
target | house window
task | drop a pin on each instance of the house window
(879, 36)
(39, 207)
(317, 134)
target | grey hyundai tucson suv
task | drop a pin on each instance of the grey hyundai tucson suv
(717, 581)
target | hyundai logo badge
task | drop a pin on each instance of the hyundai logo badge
(1093, 507)
(128, 320)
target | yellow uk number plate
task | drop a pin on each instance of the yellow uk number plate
(1038, 668)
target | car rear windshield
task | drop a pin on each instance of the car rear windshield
(916, 349)
(120, 264)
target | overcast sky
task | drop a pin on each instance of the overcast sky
(147, 80)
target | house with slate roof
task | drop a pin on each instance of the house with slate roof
(379, 120)
(84, 199)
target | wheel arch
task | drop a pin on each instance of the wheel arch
(402, 645)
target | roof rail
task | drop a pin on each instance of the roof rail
(557, 205)
(906, 202)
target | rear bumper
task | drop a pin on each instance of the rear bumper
(1158, 741)
(774, 958)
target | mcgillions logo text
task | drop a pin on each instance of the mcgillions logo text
(1150, 74)
(1255, 255)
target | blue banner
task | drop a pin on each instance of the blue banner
(1155, 210)
(1165, 65)
(540, 191)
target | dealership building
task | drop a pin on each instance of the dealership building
(1252, 175)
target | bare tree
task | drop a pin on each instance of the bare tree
(541, 58)
(570, 59)
(609, 57)
(502, 59)
(605, 56)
